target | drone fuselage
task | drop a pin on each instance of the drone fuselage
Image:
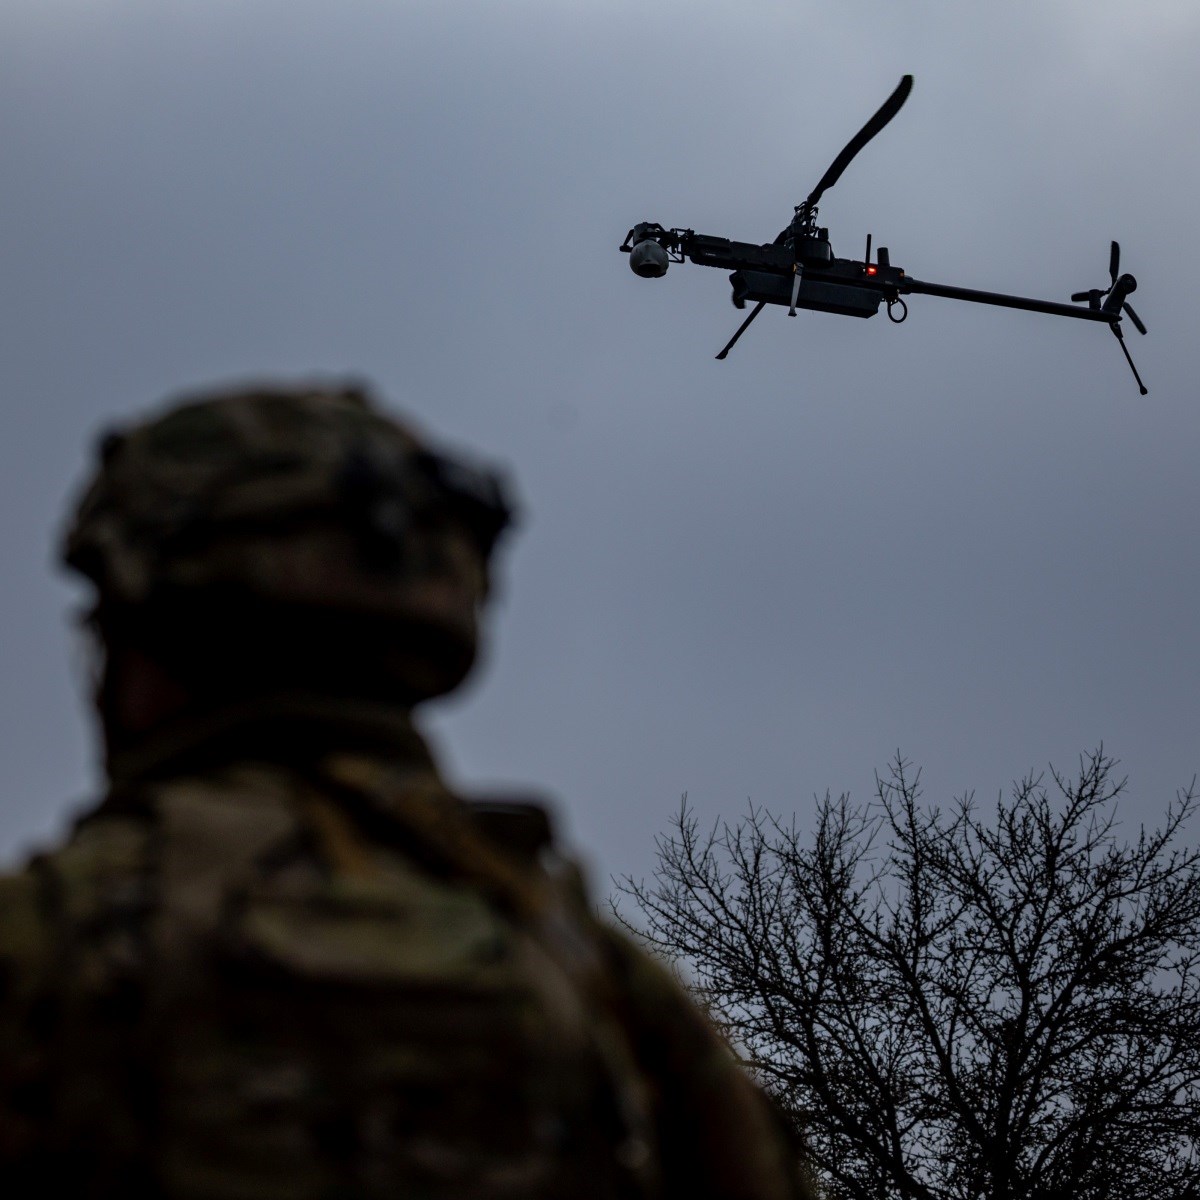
(767, 273)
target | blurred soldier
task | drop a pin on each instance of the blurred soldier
(279, 958)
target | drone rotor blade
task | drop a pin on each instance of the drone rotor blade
(742, 328)
(1137, 321)
(1114, 261)
(1077, 296)
(889, 108)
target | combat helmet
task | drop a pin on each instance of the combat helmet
(292, 535)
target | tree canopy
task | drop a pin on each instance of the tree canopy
(998, 1003)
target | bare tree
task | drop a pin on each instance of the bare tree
(955, 1006)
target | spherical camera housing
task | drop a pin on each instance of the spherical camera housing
(649, 260)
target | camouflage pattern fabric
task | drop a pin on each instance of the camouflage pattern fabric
(250, 980)
(214, 491)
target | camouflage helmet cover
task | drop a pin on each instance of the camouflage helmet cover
(305, 497)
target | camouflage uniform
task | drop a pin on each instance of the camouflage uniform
(280, 958)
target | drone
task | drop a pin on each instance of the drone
(798, 269)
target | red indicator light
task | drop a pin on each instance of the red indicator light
(872, 270)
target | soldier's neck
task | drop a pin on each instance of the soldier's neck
(154, 727)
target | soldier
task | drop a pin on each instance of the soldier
(280, 959)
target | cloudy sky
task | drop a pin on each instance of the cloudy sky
(967, 537)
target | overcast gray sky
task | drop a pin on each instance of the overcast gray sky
(966, 537)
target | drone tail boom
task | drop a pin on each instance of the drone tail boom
(921, 287)
(1108, 313)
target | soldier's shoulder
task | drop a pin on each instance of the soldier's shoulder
(56, 894)
(62, 880)
(23, 942)
(520, 824)
(131, 838)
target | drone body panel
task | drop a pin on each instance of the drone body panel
(816, 294)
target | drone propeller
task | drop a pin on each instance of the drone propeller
(890, 107)
(1137, 321)
(1094, 296)
(887, 110)
(1118, 288)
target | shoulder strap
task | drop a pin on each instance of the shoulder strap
(421, 816)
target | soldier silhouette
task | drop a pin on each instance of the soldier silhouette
(279, 958)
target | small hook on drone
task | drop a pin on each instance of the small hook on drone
(897, 303)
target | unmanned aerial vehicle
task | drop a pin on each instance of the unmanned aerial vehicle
(799, 270)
